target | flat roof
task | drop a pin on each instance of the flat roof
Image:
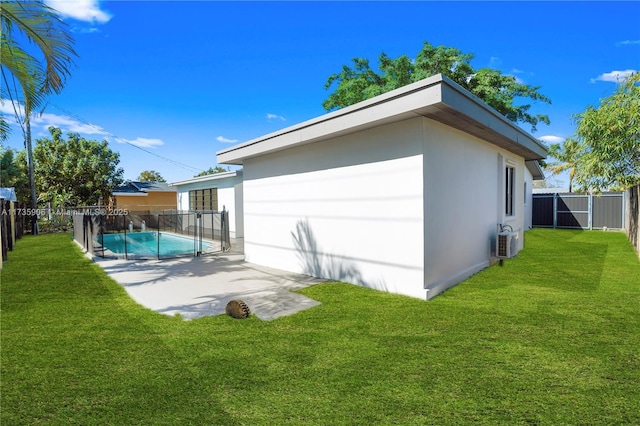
(207, 178)
(436, 97)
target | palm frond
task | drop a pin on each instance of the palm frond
(26, 69)
(43, 27)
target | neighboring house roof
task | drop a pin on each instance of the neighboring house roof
(436, 97)
(207, 178)
(142, 188)
(8, 194)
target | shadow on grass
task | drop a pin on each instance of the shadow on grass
(574, 266)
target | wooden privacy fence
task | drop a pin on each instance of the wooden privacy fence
(13, 222)
(579, 211)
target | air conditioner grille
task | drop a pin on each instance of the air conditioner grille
(506, 244)
(503, 245)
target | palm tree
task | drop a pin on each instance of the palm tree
(569, 155)
(41, 26)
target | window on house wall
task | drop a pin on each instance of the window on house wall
(203, 199)
(509, 193)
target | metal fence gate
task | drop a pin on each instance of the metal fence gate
(144, 234)
(579, 211)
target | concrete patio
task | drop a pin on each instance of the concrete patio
(202, 286)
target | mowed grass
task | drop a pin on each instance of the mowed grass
(552, 337)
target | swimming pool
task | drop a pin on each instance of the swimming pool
(152, 244)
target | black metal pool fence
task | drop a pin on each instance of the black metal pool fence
(201, 232)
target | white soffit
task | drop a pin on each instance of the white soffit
(535, 169)
(207, 178)
(436, 97)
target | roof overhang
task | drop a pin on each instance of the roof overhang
(208, 178)
(436, 97)
(535, 169)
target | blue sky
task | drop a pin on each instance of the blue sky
(183, 80)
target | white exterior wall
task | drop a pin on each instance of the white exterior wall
(229, 196)
(463, 203)
(348, 209)
(403, 208)
(528, 199)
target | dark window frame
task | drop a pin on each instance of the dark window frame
(509, 192)
(203, 199)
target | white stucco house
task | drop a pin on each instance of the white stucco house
(404, 192)
(214, 192)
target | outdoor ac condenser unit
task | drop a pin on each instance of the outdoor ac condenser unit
(507, 245)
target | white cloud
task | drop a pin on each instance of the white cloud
(225, 140)
(142, 142)
(81, 30)
(614, 76)
(44, 120)
(495, 62)
(274, 116)
(6, 108)
(627, 42)
(551, 139)
(69, 124)
(82, 10)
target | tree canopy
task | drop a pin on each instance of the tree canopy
(604, 152)
(568, 156)
(81, 170)
(500, 91)
(14, 173)
(212, 170)
(150, 176)
(610, 139)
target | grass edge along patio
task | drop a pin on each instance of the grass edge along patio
(550, 338)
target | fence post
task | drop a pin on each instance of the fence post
(590, 211)
(555, 210)
(624, 210)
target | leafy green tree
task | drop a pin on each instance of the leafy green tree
(150, 176)
(500, 91)
(8, 168)
(212, 170)
(14, 172)
(40, 25)
(610, 139)
(569, 156)
(79, 170)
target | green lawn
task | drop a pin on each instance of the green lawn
(553, 337)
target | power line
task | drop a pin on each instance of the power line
(119, 139)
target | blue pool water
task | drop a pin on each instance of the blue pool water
(146, 244)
